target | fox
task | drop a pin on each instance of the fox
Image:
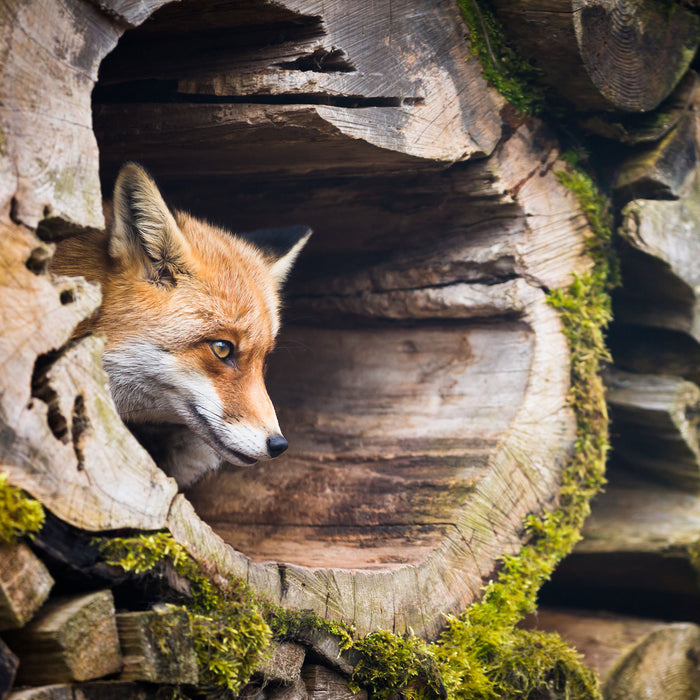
(190, 313)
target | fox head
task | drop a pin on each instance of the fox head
(191, 313)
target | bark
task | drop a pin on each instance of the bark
(603, 55)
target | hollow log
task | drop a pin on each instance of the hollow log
(426, 402)
(603, 55)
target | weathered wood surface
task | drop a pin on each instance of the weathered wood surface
(402, 85)
(157, 647)
(635, 657)
(600, 55)
(655, 426)
(661, 171)
(70, 640)
(664, 664)
(323, 684)
(282, 663)
(408, 503)
(641, 542)
(25, 585)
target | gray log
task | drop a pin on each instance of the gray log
(25, 584)
(71, 640)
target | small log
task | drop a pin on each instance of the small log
(622, 55)
(25, 584)
(660, 243)
(323, 684)
(282, 663)
(660, 171)
(71, 640)
(639, 548)
(640, 128)
(100, 690)
(635, 657)
(655, 425)
(157, 646)
(666, 664)
(8, 669)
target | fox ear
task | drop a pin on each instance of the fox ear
(144, 229)
(281, 247)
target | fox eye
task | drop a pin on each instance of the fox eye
(222, 349)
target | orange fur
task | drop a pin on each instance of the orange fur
(172, 285)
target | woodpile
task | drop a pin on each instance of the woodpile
(423, 377)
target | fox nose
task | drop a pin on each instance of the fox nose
(276, 445)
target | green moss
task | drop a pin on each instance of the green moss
(390, 664)
(230, 634)
(20, 515)
(514, 77)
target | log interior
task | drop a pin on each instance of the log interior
(408, 347)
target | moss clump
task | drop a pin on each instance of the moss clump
(390, 664)
(293, 624)
(229, 632)
(514, 77)
(20, 515)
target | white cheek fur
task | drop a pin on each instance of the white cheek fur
(149, 385)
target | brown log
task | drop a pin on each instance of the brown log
(664, 664)
(157, 646)
(654, 427)
(8, 669)
(643, 128)
(25, 584)
(72, 639)
(602, 55)
(635, 657)
(431, 415)
(401, 86)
